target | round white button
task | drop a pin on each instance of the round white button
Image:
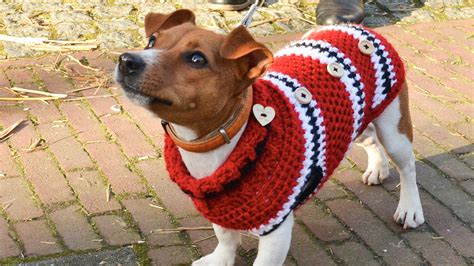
(366, 47)
(335, 69)
(303, 95)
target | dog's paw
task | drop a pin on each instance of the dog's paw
(409, 214)
(376, 172)
(215, 259)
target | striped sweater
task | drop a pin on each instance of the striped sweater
(350, 74)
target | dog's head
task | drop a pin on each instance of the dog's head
(187, 72)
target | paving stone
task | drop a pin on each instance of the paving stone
(442, 221)
(17, 200)
(92, 192)
(37, 238)
(175, 200)
(170, 255)
(8, 248)
(50, 185)
(382, 241)
(354, 253)
(24, 134)
(114, 166)
(54, 81)
(446, 192)
(330, 191)
(83, 122)
(8, 167)
(102, 107)
(66, 149)
(468, 185)
(435, 251)
(376, 198)
(205, 246)
(145, 119)
(123, 256)
(150, 218)
(449, 139)
(452, 167)
(115, 230)
(43, 113)
(74, 229)
(129, 136)
(20, 76)
(306, 251)
(323, 225)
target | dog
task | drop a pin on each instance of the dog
(251, 136)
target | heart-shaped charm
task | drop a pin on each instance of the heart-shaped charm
(264, 115)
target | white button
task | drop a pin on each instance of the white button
(303, 95)
(336, 70)
(366, 47)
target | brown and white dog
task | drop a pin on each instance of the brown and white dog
(196, 80)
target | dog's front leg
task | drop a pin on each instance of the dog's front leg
(224, 254)
(273, 248)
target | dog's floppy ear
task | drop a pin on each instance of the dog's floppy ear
(253, 56)
(155, 21)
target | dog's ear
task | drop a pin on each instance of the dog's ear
(254, 57)
(155, 21)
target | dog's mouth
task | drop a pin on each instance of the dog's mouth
(141, 98)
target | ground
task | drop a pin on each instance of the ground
(95, 190)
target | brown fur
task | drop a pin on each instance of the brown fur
(405, 126)
(212, 93)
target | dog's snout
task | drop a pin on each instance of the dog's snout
(130, 64)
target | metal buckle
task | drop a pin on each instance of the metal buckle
(224, 135)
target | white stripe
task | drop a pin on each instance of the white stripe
(309, 145)
(374, 58)
(324, 58)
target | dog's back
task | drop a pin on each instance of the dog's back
(351, 74)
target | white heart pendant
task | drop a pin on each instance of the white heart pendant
(264, 115)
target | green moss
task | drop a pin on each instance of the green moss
(141, 250)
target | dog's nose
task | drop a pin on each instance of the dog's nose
(130, 64)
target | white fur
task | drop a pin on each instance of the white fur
(204, 164)
(400, 151)
(377, 167)
(224, 254)
(151, 57)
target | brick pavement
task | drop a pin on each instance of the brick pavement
(54, 201)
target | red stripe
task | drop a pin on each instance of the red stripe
(331, 97)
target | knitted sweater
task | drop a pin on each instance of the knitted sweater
(275, 168)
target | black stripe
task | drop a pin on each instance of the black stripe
(316, 173)
(386, 84)
(357, 84)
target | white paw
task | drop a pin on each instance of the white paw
(376, 172)
(409, 213)
(215, 259)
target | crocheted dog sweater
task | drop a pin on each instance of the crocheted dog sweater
(275, 168)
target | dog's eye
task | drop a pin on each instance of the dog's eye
(196, 59)
(151, 42)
